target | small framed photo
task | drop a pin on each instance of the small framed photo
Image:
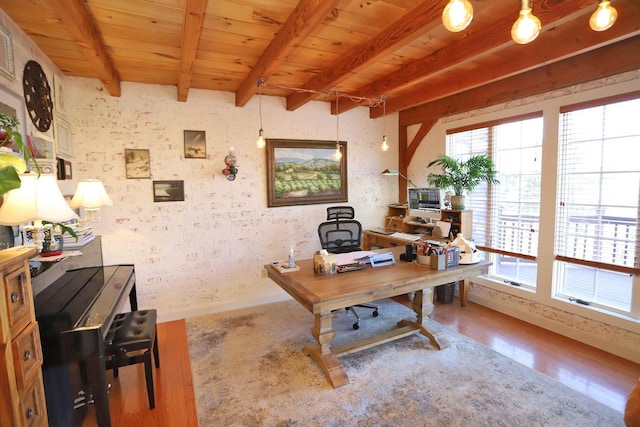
(60, 161)
(195, 144)
(41, 145)
(67, 170)
(137, 163)
(7, 66)
(168, 191)
(63, 137)
(58, 93)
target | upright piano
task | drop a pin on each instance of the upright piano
(75, 313)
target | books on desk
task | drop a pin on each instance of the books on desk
(406, 236)
(85, 235)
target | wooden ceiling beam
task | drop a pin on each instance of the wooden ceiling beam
(475, 42)
(81, 26)
(412, 25)
(307, 15)
(597, 64)
(194, 14)
(548, 50)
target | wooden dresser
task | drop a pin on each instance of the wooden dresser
(22, 398)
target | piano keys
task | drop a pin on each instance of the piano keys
(75, 313)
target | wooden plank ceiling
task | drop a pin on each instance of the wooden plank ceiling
(363, 48)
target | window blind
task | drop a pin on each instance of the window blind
(599, 186)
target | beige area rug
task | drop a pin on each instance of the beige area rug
(249, 370)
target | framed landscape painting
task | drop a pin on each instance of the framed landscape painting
(304, 172)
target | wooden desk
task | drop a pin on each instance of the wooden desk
(322, 294)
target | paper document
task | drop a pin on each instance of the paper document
(355, 256)
(406, 236)
(444, 227)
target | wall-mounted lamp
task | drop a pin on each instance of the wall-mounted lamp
(393, 172)
(527, 27)
(260, 142)
(604, 16)
(231, 170)
(91, 196)
(38, 199)
(457, 15)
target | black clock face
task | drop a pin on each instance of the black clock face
(37, 96)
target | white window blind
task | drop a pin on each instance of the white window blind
(599, 186)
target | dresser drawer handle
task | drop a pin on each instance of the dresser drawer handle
(26, 355)
(15, 297)
(29, 413)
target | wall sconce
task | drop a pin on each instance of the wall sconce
(604, 16)
(38, 199)
(457, 15)
(231, 170)
(527, 27)
(260, 143)
(393, 172)
(91, 196)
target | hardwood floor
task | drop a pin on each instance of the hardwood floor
(600, 375)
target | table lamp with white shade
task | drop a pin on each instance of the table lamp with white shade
(38, 199)
(91, 196)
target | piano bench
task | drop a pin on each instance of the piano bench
(131, 340)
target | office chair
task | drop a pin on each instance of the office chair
(339, 234)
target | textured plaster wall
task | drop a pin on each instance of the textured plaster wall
(207, 252)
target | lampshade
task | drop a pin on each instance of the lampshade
(393, 172)
(90, 195)
(38, 198)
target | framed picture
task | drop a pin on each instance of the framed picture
(60, 161)
(67, 170)
(195, 144)
(7, 66)
(58, 95)
(303, 172)
(41, 146)
(11, 104)
(168, 191)
(62, 131)
(137, 163)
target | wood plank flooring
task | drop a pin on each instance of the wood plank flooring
(598, 374)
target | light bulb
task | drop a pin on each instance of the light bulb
(260, 141)
(604, 16)
(457, 15)
(527, 27)
(338, 153)
(385, 146)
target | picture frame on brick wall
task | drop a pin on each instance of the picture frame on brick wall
(168, 191)
(195, 144)
(137, 163)
(7, 65)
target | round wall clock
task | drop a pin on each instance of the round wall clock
(37, 96)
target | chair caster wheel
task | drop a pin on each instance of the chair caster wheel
(356, 326)
(375, 313)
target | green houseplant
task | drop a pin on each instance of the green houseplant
(462, 176)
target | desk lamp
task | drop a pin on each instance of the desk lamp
(91, 196)
(38, 199)
(393, 172)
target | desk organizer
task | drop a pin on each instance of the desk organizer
(438, 261)
(453, 256)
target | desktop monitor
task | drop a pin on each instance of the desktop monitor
(425, 203)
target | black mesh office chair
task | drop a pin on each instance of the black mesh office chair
(339, 234)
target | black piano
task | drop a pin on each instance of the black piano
(74, 314)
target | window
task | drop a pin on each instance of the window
(506, 218)
(596, 237)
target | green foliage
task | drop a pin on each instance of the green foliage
(63, 228)
(462, 175)
(11, 165)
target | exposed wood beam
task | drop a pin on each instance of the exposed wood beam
(407, 150)
(412, 25)
(607, 61)
(193, 20)
(302, 21)
(548, 50)
(82, 28)
(477, 41)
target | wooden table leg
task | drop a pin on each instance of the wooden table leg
(464, 291)
(423, 306)
(324, 333)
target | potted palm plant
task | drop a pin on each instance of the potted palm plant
(462, 176)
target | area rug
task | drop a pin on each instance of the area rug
(249, 370)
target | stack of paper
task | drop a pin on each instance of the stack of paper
(85, 235)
